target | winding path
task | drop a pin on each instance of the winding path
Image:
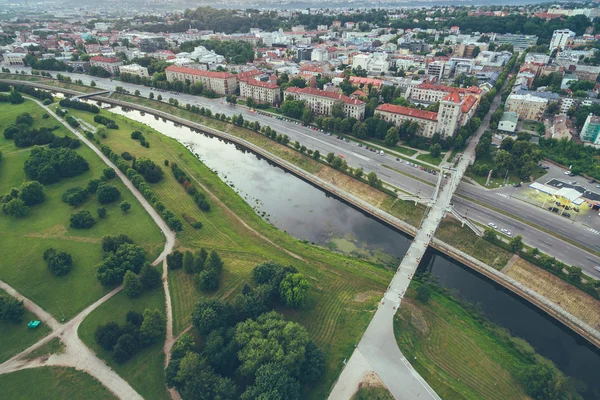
(77, 354)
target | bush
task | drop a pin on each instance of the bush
(125, 348)
(148, 169)
(31, 193)
(15, 208)
(51, 165)
(47, 102)
(93, 185)
(107, 193)
(150, 277)
(24, 118)
(126, 156)
(101, 212)
(59, 263)
(82, 220)
(175, 260)
(75, 196)
(78, 105)
(11, 309)
(208, 280)
(109, 123)
(107, 335)
(109, 173)
(132, 285)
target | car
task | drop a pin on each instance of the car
(360, 145)
(553, 209)
(566, 215)
(592, 181)
(568, 173)
(558, 203)
(381, 152)
(397, 159)
(492, 225)
(504, 230)
(598, 186)
(597, 268)
(517, 185)
(572, 183)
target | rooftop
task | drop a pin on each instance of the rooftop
(510, 116)
(411, 112)
(323, 93)
(267, 85)
(198, 72)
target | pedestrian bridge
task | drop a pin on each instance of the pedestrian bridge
(84, 96)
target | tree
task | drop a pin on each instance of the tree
(59, 263)
(107, 335)
(392, 136)
(31, 193)
(424, 292)
(293, 290)
(274, 383)
(214, 262)
(307, 116)
(159, 98)
(11, 309)
(199, 259)
(313, 367)
(151, 95)
(125, 206)
(150, 277)
(270, 339)
(188, 262)
(211, 314)
(489, 234)
(435, 150)
(373, 179)
(111, 243)
(109, 173)
(149, 169)
(107, 193)
(137, 93)
(101, 212)
(15, 208)
(75, 196)
(93, 84)
(82, 220)
(132, 285)
(516, 243)
(125, 348)
(208, 280)
(24, 118)
(153, 328)
(330, 158)
(175, 260)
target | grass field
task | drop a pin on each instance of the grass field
(362, 190)
(466, 240)
(52, 383)
(345, 290)
(54, 346)
(144, 371)
(23, 241)
(428, 158)
(16, 337)
(567, 296)
(459, 356)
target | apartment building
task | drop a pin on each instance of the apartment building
(429, 93)
(454, 112)
(427, 120)
(519, 42)
(560, 38)
(374, 62)
(223, 83)
(528, 107)
(110, 64)
(590, 133)
(262, 92)
(134, 69)
(321, 102)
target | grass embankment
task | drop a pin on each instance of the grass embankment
(567, 296)
(464, 239)
(428, 158)
(344, 290)
(405, 211)
(23, 241)
(16, 337)
(372, 393)
(50, 82)
(52, 383)
(145, 371)
(459, 355)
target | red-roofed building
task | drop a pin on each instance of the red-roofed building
(243, 76)
(429, 93)
(357, 80)
(321, 102)
(262, 92)
(110, 64)
(223, 83)
(427, 120)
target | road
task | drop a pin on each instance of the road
(412, 180)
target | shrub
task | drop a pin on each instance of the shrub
(24, 118)
(175, 260)
(15, 208)
(125, 206)
(93, 185)
(126, 156)
(59, 263)
(111, 243)
(109, 173)
(148, 169)
(107, 335)
(101, 211)
(11, 309)
(31, 193)
(150, 277)
(132, 285)
(82, 220)
(75, 196)
(107, 193)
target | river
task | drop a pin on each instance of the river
(308, 213)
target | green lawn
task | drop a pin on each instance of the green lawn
(144, 371)
(345, 290)
(23, 241)
(464, 239)
(531, 126)
(428, 158)
(16, 337)
(52, 383)
(498, 181)
(459, 355)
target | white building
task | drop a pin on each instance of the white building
(110, 64)
(528, 107)
(508, 122)
(374, 62)
(14, 58)
(134, 69)
(319, 54)
(560, 37)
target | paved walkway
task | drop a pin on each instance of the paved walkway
(77, 354)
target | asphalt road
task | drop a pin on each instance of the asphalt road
(370, 161)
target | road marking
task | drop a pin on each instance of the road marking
(503, 195)
(594, 231)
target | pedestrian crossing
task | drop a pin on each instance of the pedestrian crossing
(502, 195)
(594, 231)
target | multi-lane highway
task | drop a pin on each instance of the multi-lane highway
(469, 198)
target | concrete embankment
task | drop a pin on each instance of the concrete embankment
(584, 330)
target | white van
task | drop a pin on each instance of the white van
(381, 152)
